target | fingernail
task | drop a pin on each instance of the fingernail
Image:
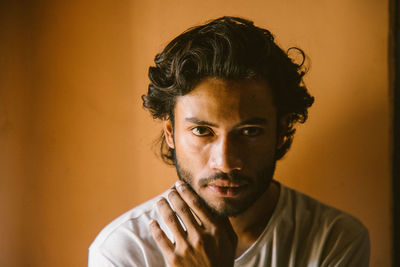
(179, 185)
(171, 193)
(161, 200)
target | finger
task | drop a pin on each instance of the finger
(171, 220)
(183, 211)
(163, 242)
(194, 202)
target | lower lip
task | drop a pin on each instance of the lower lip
(226, 191)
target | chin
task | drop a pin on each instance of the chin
(228, 211)
(230, 207)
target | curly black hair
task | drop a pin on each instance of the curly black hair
(228, 48)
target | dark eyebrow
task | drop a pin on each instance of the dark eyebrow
(200, 122)
(251, 121)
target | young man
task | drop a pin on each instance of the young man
(229, 99)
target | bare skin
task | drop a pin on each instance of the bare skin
(221, 128)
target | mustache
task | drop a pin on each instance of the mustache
(232, 176)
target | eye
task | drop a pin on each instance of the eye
(201, 131)
(251, 131)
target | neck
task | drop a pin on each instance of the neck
(250, 224)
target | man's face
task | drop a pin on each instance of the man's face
(225, 137)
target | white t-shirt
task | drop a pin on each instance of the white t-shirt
(301, 232)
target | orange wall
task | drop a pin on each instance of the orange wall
(75, 144)
(13, 86)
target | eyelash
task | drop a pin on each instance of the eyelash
(210, 132)
(258, 130)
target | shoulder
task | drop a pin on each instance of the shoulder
(306, 208)
(333, 235)
(132, 219)
(127, 240)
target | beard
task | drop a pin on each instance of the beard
(230, 207)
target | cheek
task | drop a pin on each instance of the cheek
(191, 151)
(256, 152)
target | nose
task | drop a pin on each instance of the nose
(225, 155)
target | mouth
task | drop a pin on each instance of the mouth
(224, 188)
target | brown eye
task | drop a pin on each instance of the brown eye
(201, 131)
(251, 131)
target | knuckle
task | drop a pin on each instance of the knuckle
(198, 241)
(158, 236)
(171, 217)
(197, 202)
(157, 233)
(183, 208)
(174, 259)
(213, 230)
(184, 249)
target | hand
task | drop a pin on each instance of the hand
(209, 242)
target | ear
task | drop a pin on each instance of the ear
(169, 133)
(283, 126)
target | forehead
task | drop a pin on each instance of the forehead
(218, 99)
